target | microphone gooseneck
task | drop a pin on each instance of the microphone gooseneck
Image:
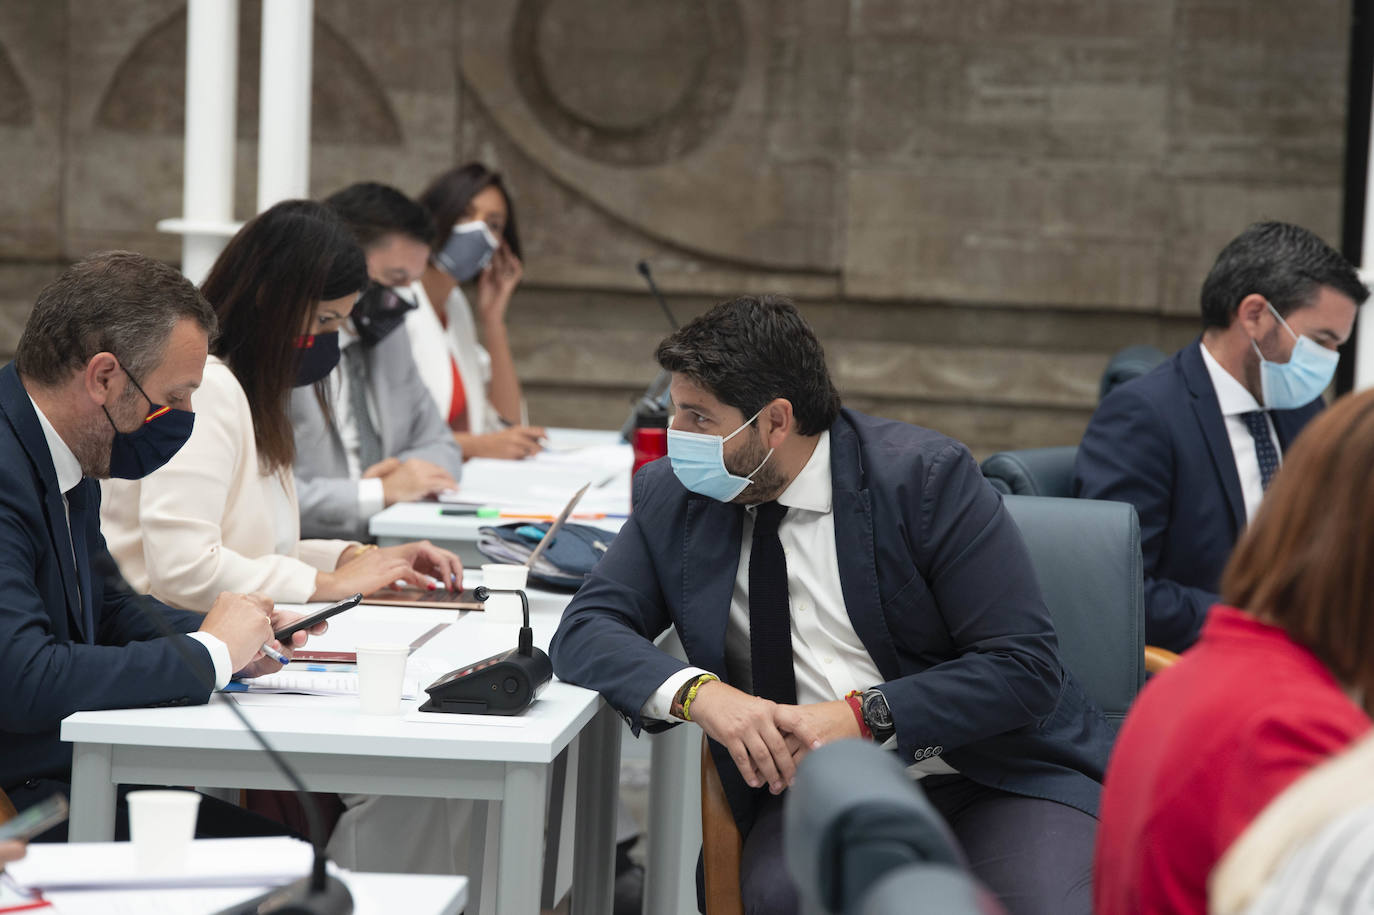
(655, 396)
(319, 894)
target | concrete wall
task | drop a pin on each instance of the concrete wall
(974, 202)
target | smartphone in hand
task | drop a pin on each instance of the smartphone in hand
(35, 820)
(305, 622)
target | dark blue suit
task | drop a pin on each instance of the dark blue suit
(1159, 442)
(66, 643)
(938, 586)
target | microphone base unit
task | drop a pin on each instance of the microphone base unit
(298, 898)
(503, 684)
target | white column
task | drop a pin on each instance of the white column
(1364, 327)
(212, 37)
(284, 101)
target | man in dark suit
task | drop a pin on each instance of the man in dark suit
(834, 575)
(1193, 444)
(101, 385)
(385, 441)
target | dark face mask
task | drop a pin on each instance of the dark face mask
(468, 250)
(134, 455)
(380, 310)
(316, 357)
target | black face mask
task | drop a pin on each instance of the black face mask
(316, 357)
(380, 310)
(134, 455)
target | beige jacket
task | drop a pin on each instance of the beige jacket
(432, 344)
(208, 521)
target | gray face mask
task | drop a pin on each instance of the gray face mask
(468, 250)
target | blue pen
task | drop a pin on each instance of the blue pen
(275, 655)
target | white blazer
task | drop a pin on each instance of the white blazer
(211, 520)
(433, 344)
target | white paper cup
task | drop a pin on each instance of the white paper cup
(162, 825)
(381, 676)
(499, 577)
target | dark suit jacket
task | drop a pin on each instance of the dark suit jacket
(56, 656)
(939, 588)
(1159, 442)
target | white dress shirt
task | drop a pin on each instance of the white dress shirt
(828, 657)
(69, 474)
(371, 497)
(1235, 399)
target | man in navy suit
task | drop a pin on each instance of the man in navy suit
(1193, 444)
(101, 385)
(834, 575)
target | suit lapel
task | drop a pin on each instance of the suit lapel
(855, 548)
(1207, 412)
(710, 547)
(14, 400)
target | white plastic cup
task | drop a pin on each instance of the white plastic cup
(162, 824)
(499, 577)
(381, 677)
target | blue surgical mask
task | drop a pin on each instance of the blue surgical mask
(134, 455)
(1300, 380)
(699, 462)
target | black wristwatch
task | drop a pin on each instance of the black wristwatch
(877, 715)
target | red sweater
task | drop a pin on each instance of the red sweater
(1206, 746)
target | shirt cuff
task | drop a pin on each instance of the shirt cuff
(219, 656)
(371, 498)
(661, 702)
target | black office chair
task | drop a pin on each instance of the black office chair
(1032, 471)
(1086, 555)
(1130, 362)
(860, 837)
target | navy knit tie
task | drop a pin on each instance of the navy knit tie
(770, 620)
(1265, 452)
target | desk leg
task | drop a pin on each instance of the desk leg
(598, 779)
(524, 805)
(674, 821)
(93, 794)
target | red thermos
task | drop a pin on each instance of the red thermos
(650, 439)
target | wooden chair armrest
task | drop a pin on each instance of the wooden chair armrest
(721, 845)
(7, 810)
(1157, 659)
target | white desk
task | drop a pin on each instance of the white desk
(339, 750)
(373, 894)
(541, 485)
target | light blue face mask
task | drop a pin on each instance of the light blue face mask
(1300, 380)
(698, 460)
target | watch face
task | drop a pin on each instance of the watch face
(876, 710)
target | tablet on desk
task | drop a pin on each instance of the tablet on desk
(436, 600)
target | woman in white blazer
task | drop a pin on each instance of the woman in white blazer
(222, 514)
(474, 383)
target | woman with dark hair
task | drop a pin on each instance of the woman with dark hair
(1268, 693)
(222, 515)
(474, 383)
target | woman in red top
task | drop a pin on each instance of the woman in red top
(1266, 693)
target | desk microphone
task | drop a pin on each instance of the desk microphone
(655, 396)
(320, 893)
(503, 684)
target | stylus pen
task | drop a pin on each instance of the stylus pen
(275, 655)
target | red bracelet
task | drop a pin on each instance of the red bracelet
(856, 705)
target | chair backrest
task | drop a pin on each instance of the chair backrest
(1087, 559)
(1130, 362)
(1032, 471)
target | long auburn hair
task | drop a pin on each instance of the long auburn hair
(1306, 562)
(264, 287)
